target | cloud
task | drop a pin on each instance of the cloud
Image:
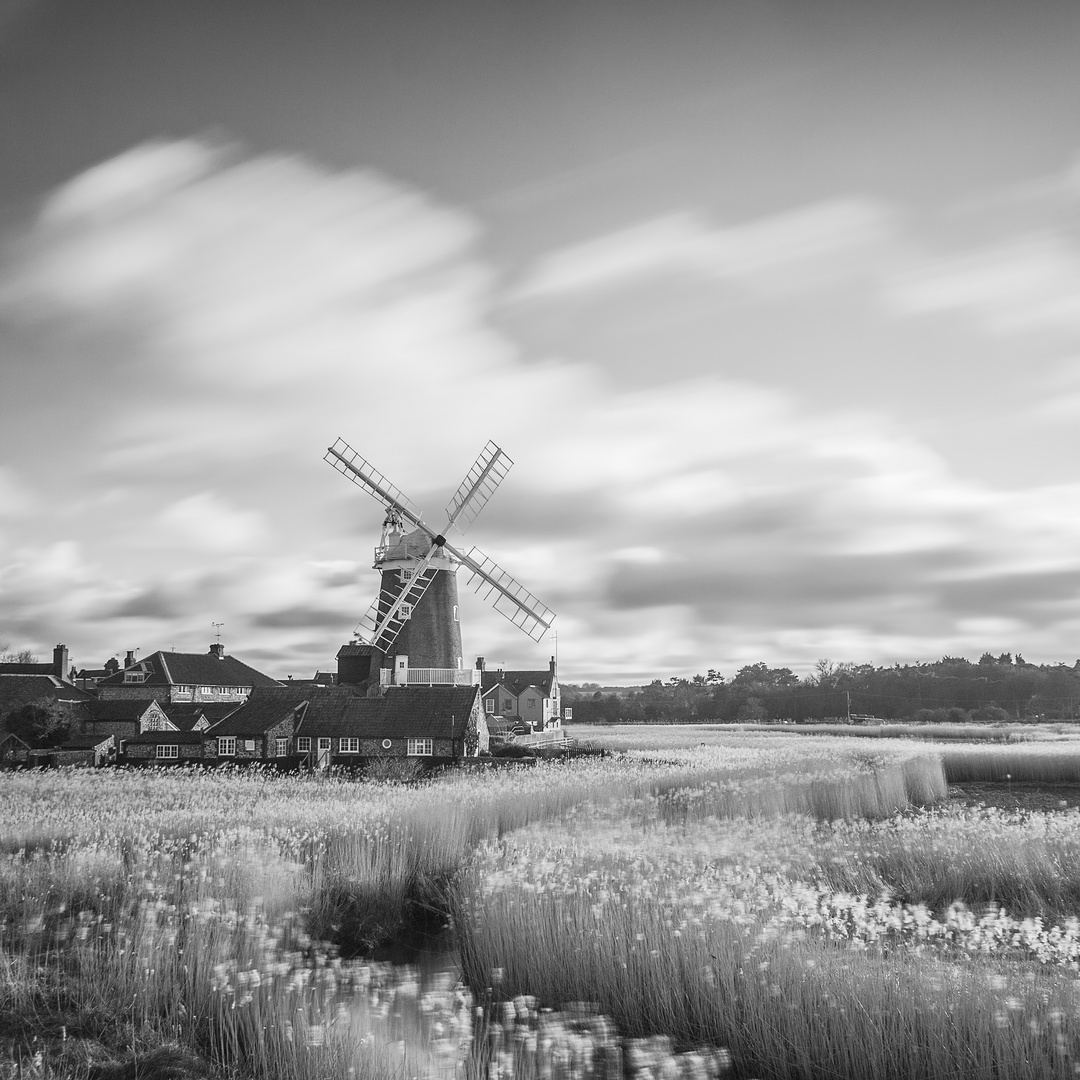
(210, 522)
(799, 249)
(258, 307)
(1030, 283)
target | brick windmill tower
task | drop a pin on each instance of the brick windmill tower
(411, 635)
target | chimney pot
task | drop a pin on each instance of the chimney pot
(129, 659)
(218, 650)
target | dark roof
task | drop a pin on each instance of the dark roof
(517, 682)
(83, 742)
(265, 707)
(405, 712)
(16, 690)
(354, 650)
(194, 669)
(92, 673)
(168, 737)
(120, 708)
(27, 669)
(185, 716)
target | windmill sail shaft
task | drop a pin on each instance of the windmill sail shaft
(480, 483)
(349, 463)
(514, 601)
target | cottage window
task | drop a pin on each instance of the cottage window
(182, 688)
(348, 746)
(172, 751)
(489, 704)
(281, 747)
(226, 745)
(531, 703)
(249, 744)
(421, 748)
(303, 744)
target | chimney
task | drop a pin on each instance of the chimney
(129, 659)
(60, 662)
(218, 650)
(480, 664)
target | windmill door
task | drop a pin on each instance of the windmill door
(324, 753)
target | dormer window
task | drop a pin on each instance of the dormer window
(134, 677)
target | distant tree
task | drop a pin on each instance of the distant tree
(45, 722)
(753, 710)
(991, 714)
(22, 656)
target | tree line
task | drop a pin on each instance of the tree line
(952, 689)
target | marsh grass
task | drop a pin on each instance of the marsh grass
(1027, 764)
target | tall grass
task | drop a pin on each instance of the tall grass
(1029, 764)
(704, 932)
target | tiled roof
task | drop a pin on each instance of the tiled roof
(194, 669)
(354, 650)
(27, 669)
(265, 707)
(84, 742)
(186, 738)
(92, 673)
(16, 690)
(121, 709)
(405, 712)
(186, 716)
(517, 682)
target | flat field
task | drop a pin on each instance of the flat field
(704, 902)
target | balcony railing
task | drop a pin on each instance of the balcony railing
(430, 676)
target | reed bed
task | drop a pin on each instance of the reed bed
(1020, 764)
(789, 939)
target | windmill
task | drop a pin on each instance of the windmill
(414, 617)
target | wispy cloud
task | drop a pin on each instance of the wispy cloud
(257, 307)
(794, 250)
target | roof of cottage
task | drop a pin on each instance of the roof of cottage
(186, 738)
(16, 690)
(185, 716)
(111, 709)
(517, 682)
(405, 712)
(265, 707)
(194, 669)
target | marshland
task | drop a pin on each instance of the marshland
(702, 901)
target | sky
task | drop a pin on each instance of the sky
(775, 306)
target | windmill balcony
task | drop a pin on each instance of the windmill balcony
(431, 676)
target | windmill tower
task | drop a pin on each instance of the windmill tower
(411, 633)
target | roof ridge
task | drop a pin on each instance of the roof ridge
(164, 667)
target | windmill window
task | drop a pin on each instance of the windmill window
(405, 611)
(456, 619)
(172, 751)
(406, 574)
(303, 744)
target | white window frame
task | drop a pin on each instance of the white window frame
(405, 574)
(325, 744)
(349, 744)
(303, 744)
(134, 676)
(405, 611)
(249, 746)
(226, 746)
(167, 751)
(281, 747)
(421, 748)
(489, 704)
